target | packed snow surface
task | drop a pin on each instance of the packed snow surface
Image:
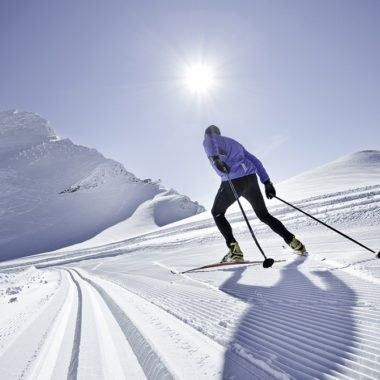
(116, 311)
(54, 193)
(354, 170)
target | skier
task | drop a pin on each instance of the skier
(227, 155)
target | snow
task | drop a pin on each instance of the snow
(54, 193)
(21, 130)
(109, 308)
(364, 169)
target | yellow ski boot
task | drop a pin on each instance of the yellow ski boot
(298, 247)
(234, 254)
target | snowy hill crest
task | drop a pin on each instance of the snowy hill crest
(101, 174)
(355, 170)
(55, 193)
(22, 130)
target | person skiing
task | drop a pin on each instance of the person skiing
(228, 156)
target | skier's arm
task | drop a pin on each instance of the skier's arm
(270, 191)
(264, 177)
(211, 149)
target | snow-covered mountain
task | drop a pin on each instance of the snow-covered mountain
(54, 193)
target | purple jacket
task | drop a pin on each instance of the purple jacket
(241, 162)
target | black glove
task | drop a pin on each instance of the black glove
(220, 164)
(270, 191)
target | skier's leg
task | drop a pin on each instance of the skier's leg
(224, 199)
(255, 198)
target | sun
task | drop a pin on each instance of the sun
(199, 78)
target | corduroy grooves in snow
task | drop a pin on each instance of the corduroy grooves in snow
(115, 311)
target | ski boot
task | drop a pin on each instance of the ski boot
(298, 247)
(234, 254)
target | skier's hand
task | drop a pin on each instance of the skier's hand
(270, 191)
(220, 164)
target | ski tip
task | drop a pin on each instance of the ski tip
(378, 255)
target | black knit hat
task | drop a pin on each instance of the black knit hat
(212, 130)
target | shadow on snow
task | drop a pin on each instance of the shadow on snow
(294, 329)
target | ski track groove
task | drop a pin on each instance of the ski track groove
(104, 351)
(74, 361)
(148, 359)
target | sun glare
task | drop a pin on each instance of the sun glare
(199, 78)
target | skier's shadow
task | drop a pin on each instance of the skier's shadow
(295, 327)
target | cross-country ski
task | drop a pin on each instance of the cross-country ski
(219, 265)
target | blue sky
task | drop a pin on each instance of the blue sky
(296, 82)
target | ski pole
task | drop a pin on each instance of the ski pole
(267, 262)
(331, 228)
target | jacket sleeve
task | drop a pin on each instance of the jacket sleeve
(259, 166)
(210, 146)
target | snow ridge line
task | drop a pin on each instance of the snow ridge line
(74, 361)
(150, 362)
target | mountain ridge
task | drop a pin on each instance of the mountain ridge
(54, 193)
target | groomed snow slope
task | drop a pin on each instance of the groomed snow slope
(54, 193)
(116, 311)
(357, 169)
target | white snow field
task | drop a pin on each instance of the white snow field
(54, 193)
(115, 311)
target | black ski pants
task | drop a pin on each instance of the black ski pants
(248, 188)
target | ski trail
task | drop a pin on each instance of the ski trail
(104, 353)
(290, 322)
(74, 361)
(41, 350)
(54, 348)
(178, 347)
(148, 359)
